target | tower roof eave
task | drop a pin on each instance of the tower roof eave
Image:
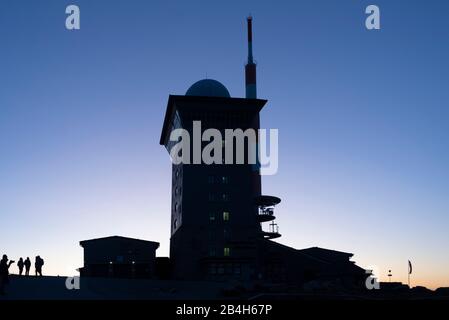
(181, 101)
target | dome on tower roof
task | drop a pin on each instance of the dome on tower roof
(208, 88)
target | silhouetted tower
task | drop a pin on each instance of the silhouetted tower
(250, 68)
(217, 209)
(214, 219)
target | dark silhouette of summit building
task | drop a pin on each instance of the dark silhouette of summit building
(218, 210)
(222, 226)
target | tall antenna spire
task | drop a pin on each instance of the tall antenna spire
(250, 68)
(250, 39)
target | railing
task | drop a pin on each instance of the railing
(265, 205)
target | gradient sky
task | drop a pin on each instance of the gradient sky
(362, 117)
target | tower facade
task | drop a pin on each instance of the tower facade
(214, 220)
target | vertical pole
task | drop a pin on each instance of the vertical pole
(250, 68)
(408, 272)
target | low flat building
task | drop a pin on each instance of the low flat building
(119, 257)
(309, 267)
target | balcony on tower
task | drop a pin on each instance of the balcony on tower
(265, 205)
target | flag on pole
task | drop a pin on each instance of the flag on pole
(410, 269)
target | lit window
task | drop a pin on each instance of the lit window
(227, 252)
(225, 216)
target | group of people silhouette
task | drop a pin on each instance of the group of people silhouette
(5, 263)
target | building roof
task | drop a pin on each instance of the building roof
(119, 238)
(322, 252)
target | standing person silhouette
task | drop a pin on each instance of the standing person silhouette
(4, 273)
(27, 264)
(20, 264)
(39, 262)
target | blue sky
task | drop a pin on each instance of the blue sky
(362, 118)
